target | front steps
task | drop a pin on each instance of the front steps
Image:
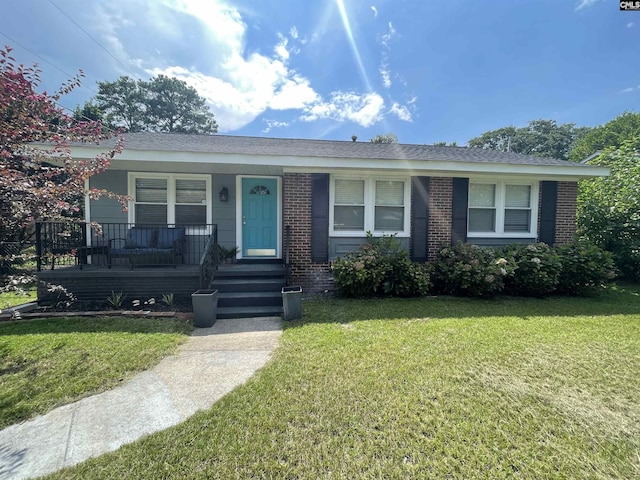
(249, 289)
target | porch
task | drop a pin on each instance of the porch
(91, 261)
(80, 258)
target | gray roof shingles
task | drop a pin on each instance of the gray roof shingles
(229, 144)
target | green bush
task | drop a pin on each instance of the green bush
(380, 266)
(537, 270)
(470, 270)
(585, 268)
(608, 212)
(406, 278)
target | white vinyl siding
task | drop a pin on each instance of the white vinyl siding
(507, 209)
(169, 199)
(369, 204)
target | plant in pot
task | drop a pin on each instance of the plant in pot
(227, 255)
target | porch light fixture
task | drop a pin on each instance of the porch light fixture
(224, 195)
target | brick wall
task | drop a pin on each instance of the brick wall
(566, 212)
(313, 277)
(440, 200)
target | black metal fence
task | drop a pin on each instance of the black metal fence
(128, 245)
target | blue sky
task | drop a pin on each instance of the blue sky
(327, 69)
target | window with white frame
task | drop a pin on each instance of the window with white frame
(502, 208)
(170, 199)
(369, 204)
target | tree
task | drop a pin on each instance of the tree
(542, 138)
(388, 138)
(609, 207)
(90, 111)
(123, 103)
(162, 104)
(625, 126)
(174, 106)
(38, 177)
(444, 144)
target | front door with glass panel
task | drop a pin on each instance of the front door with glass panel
(259, 217)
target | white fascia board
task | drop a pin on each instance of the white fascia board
(292, 164)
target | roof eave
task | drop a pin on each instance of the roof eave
(569, 171)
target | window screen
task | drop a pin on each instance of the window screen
(482, 211)
(348, 213)
(517, 214)
(389, 214)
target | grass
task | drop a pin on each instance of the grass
(50, 362)
(11, 299)
(422, 388)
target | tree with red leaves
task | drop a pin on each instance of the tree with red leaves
(39, 180)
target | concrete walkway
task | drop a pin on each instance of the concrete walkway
(209, 365)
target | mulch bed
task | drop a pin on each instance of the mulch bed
(180, 308)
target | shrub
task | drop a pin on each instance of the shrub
(406, 278)
(380, 266)
(469, 270)
(537, 270)
(585, 268)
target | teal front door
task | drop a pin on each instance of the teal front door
(259, 217)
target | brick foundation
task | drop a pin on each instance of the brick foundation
(313, 277)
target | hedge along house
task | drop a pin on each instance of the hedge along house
(306, 202)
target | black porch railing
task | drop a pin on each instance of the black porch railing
(111, 245)
(209, 260)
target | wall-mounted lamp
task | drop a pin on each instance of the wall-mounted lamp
(224, 195)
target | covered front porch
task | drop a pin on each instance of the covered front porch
(92, 261)
(95, 263)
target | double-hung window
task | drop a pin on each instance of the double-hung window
(378, 205)
(502, 209)
(170, 199)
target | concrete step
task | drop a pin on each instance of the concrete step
(259, 270)
(249, 299)
(225, 285)
(249, 312)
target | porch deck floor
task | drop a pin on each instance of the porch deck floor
(117, 270)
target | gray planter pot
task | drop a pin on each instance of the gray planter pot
(205, 306)
(292, 303)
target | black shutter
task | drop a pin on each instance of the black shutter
(548, 204)
(460, 203)
(320, 217)
(419, 218)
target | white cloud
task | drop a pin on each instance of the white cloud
(364, 110)
(585, 3)
(384, 70)
(281, 48)
(401, 112)
(630, 24)
(390, 35)
(239, 85)
(628, 90)
(375, 11)
(386, 75)
(274, 124)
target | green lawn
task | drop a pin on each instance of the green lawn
(11, 299)
(422, 388)
(50, 362)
